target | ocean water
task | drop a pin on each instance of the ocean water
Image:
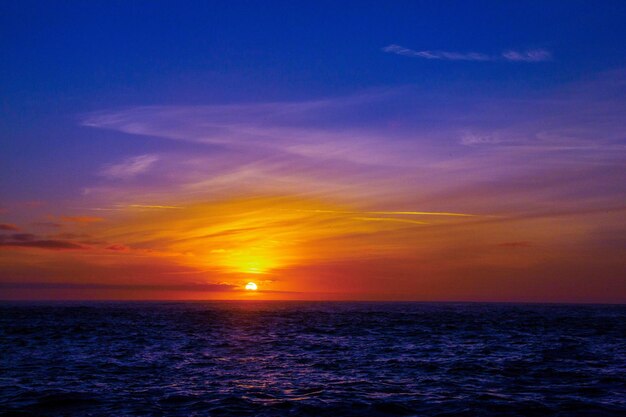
(311, 359)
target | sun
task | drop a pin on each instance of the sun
(251, 286)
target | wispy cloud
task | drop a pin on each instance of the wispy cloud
(130, 167)
(347, 147)
(533, 55)
(81, 219)
(445, 55)
(44, 244)
(304, 128)
(472, 139)
(152, 206)
(134, 287)
(27, 240)
(390, 213)
(388, 219)
(120, 248)
(9, 227)
(52, 225)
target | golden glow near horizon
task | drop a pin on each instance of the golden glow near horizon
(251, 260)
(256, 235)
(211, 243)
(300, 247)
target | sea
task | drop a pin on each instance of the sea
(253, 358)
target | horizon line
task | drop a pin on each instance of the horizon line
(26, 300)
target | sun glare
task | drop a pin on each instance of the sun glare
(251, 286)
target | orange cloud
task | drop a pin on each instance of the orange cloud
(43, 244)
(9, 227)
(81, 219)
(120, 248)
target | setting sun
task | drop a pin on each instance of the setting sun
(251, 286)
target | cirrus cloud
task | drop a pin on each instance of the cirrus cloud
(9, 227)
(130, 167)
(531, 55)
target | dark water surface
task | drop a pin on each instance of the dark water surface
(312, 359)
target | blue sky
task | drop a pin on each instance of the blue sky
(84, 49)
(67, 57)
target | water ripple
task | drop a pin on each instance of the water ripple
(311, 359)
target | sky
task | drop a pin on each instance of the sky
(406, 150)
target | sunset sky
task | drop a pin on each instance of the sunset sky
(462, 151)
